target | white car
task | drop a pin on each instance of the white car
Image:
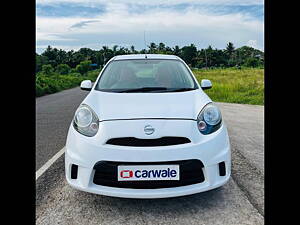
(147, 130)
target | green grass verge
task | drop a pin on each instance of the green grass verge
(245, 86)
(54, 83)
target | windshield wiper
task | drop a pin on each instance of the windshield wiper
(180, 89)
(143, 89)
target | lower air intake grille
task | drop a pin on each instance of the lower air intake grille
(136, 142)
(106, 174)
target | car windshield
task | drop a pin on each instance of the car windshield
(146, 75)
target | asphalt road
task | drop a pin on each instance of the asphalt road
(240, 201)
(54, 114)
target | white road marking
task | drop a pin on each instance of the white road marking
(49, 163)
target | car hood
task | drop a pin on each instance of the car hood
(170, 105)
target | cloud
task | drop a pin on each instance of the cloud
(154, 2)
(124, 24)
(93, 7)
(51, 37)
(68, 9)
(253, 44)
(83, 23)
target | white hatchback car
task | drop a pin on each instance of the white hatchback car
(147, 130)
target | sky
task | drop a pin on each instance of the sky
(75, 24)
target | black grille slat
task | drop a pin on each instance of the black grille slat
(137, 142)
(190, 173)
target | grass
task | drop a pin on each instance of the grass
(245, 86)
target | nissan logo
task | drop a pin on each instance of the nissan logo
(149, 130)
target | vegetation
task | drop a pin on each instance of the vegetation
(234, 85)
(63, 69)
(199, 58)
(45, 84)
(236, 73)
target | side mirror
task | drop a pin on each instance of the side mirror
(206, 84)
(86, 85)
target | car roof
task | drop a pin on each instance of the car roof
(143, 56)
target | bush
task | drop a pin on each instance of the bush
(39, 90)
(84, 67)
(47, 69)
(73, 70)
(50, 84)
(63, 69)
(252, 62)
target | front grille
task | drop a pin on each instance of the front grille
(136, 142)
(190, 173)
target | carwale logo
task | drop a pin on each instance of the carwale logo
(148, 129)
(148, 172)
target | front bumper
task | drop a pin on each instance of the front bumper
(209, 149)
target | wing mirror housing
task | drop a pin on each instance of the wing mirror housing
(86, 85)
(206, 84)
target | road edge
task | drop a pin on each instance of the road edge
(250, 180)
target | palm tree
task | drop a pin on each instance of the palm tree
(176, 50)
(105, 51)
(132, 49)
(161, 47)
(152, 47)
(115, 49)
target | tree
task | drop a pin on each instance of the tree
(218, 57)
(229, 53)
(252, 62)
(229, 48)
(83, 67)
(176, 50)
(77, 57)
(161, 47)
(123, 51)
(53, 55)
(87, 53)
(189, 54)
(70, 58)
(211, 57)
(61, 57)
(107, 54)
(152, 47)
(63, 69)
(99, 58)
(248, 52)
(115, 49)
(231, 62)
(132, 49)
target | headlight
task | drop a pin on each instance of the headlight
(209, 119)
(86, 121)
